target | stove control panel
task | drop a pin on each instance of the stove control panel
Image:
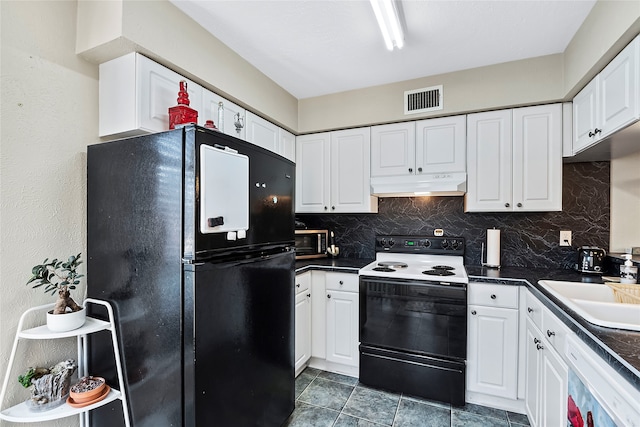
(436, 245)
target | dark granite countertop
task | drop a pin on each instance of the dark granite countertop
(620, 348)
(347, 265)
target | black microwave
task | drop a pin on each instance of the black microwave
(311, 243)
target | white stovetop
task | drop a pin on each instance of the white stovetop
(416, 264)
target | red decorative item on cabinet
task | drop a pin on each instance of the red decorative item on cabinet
(182, 114)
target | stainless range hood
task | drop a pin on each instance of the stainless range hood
(442, 184)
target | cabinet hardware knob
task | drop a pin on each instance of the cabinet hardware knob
(473, 312)
(328, 295)
(341, 282)
(325, 208)
(536, 340)
(410, 169)
(550, 333)
(309, 295)
(419, 169)
(493, 296)
(506, 205)
(539, 347)
(591, 134)
(519, 205)
(597, 131)
(298, 285)
(530, 310)
(333, 208)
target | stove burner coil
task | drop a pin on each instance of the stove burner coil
(443, 267)
(438, 272)
(392, 264)
(383, 269)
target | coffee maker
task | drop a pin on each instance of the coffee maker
(590, 259)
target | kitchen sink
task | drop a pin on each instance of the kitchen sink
(595, 303)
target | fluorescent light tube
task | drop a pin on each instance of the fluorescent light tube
(387, 17)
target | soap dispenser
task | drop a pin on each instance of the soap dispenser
(628, 271)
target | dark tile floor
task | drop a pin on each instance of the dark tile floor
(324, 399)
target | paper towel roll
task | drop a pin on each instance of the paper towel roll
(493, 248)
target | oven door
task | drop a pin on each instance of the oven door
(422, 317)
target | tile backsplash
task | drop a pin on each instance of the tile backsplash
(527, 239)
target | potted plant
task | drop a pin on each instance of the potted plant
(49, 386)
(61, 277)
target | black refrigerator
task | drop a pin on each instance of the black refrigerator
(190, 236)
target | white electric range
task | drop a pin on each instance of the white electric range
(413, 317)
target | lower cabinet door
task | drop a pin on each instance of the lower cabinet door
(553, 400)
(532, 375)
(492, 353)
(303, 329)
(342, 327)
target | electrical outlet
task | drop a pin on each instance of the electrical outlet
(565, 238)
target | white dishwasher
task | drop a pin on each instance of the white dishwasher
(597, 395)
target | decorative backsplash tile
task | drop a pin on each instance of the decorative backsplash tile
(527, 239)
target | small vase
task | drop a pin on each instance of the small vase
(66, 322)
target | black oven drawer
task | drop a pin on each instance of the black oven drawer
(417, 375)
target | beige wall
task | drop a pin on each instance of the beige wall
(625, 203)
(49, 107)
(531, 81)
(610, 26)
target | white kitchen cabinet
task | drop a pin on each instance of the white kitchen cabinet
(302, 321)
(546, 373)
(422, 147)
(262, 132)
(393, 149)
(287, 145)
(515, 160)
(610, 101)
(318, 316)
(492, 340)
(135, 94)
(231, 114)
(334, 322)
(333, 172)
(342, 318)
(342, 328)
(313, 169)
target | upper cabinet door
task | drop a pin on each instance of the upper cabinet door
(313, 163)
(537, 158)
(262, 132)
(618, 89)
(287, 147)
(489, 147)
(584, 116)
(441, 145)
(351, 171)
(393, 149)
(230, 114)
(158, 87)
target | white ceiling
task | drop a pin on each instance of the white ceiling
(318, 47)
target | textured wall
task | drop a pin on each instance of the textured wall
(49, 101)
(528, 239)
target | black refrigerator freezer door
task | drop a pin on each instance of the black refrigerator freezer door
(239, 342)
(270, 206)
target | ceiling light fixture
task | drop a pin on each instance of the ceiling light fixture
(389, 23)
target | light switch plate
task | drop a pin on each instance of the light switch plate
(565, 238)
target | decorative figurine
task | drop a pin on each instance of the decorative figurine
(182, 114)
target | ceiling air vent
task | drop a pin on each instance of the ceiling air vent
(423, 100)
